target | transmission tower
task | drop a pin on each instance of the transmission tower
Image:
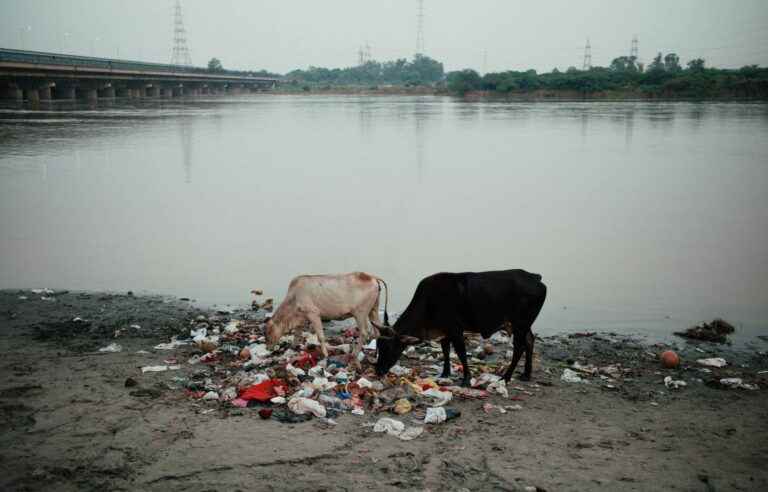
(633, 52)
(180, 55)
(587, 56)
(364, 54)
(420, 27)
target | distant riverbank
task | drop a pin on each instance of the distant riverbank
(536, 95)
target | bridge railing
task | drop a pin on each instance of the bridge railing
(43, 58)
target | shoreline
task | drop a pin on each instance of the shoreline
(70, 418)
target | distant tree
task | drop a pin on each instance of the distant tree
(624, 64)
(572, 70)
(426, 69)
(657, 64)
(750, 70)
(672, 63)
(696, 65)
(464, 81)
(215, 65)
(555, 70)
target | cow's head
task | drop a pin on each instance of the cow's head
(390, 347)
(273, 332)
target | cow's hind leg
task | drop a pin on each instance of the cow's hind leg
(529, 339)
(374, 316)
(446, 344)
(461, 351)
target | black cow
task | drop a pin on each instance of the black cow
(446, 305)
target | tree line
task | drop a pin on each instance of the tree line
(664, 77)
(419, 71)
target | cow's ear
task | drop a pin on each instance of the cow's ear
(409, 340)
(387, 331)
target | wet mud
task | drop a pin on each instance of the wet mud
(75, 418)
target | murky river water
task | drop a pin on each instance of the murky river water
(642, 217)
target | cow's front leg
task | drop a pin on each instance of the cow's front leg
(317, 325)
(446, 344)
(461, 351)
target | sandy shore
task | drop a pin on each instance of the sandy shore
(70, 423)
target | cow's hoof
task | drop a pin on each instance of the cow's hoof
(465, 383)
(525, 377)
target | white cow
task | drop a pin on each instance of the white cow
(311, 299)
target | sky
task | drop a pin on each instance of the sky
(486, 35)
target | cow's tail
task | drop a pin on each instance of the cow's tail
(386, 299)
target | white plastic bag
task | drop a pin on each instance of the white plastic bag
(440, 397)
(435, 415)
(301, 406)
(712, 362)
(570, 376)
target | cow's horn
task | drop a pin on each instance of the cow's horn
(384, 330)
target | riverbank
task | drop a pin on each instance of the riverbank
(69, 419)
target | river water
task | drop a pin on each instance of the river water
(641, 217)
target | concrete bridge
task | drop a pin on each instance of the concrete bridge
(36, 76)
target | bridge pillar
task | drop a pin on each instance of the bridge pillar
(33, 95)
(107, 93)
(89, 94)
(64, 92)
(166, 92)
(11, 92)
(44, 92)
(152, 91)
(178, 91)
(123, 92)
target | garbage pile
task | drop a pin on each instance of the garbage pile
(717, 331)
(228, 362)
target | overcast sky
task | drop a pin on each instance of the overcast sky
(286, 34)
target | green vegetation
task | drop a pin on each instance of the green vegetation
(664, 77)
(215, 65)
(421, 71)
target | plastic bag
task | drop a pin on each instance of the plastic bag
(402, 406)
(438, 415)
(440, 398)
(712, 362)
(112, 347)
(301, 406)
(398, 429)
(570, 376)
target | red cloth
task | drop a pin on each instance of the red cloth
(264, 391)
(305, 360)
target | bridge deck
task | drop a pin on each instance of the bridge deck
(17, 63)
